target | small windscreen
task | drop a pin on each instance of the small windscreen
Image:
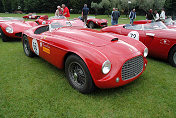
(57, 17)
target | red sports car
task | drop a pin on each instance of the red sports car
(14, 29)
(61, 19)
(93, 22)
(31, 16)
(160, 40)
(90, 58)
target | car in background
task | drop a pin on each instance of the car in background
(61, 19)
(31, 16)
(90, 57)
(14, 29)
(168, 22)
(160, 40)
(93, 22)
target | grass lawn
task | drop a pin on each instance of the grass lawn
(31, 87)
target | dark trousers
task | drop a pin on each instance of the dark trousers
(85, 18)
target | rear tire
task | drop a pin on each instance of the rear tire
(172, 57)
(26, 47)
(3, 36)
(78, 74)
(91, 25)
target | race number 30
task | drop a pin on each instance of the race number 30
(134, 35)
(35, 46)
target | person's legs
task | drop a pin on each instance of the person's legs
(111, 21)
(85, 19)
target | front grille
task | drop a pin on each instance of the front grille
(19, 34)
(132, 68)
(103, 24)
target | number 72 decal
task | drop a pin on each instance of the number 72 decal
(134, 35)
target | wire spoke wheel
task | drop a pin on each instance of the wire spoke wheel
(77, 74)
(174, 57)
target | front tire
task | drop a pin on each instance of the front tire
(26, 47)
(91, 25)
(172, 57)
(78, 74)
(3, 36)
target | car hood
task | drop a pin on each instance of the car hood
(22, 25)
(100, 39)
(88, 36)
(99, 20)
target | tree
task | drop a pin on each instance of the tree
(96, 7)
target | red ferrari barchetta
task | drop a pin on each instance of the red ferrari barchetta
(61, 19)
(160, 40)
(14, 29)
(93, 22)
(90, 58)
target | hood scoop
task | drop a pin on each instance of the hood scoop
(115, 39)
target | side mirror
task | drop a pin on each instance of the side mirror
(150, 34)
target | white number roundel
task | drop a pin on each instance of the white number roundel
(134, 35)
(35, 46)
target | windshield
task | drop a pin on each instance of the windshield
(57, 25)
(133, 27)
(169, 21)
(90, 17)
(57, 17)
(155, 26)
(10, 18)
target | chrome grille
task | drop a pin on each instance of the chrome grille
(132, 68)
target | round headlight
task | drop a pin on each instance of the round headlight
(9, 30)
(106, 67)
(145, 52)
(97, 22)
(44, 22)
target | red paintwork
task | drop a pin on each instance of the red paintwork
(142, 22)
(18, 27)
(158, 45)
(75, 22)
(93, 46)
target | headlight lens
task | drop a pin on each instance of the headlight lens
(44, 22)
(97, 22)
(145, 52)
(9, 30)
(106, 67)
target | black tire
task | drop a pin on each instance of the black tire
(26, 47)
(172, 57)
(78, 74)
(3, 36)
(91, 25)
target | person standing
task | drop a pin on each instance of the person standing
(115, 16)
(163, 15)
(149, 15)
(58, 11)
(132, 16)
(156, 16)
(85, 12)
(66, 12)
(112, 16)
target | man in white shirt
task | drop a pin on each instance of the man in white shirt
(162, 15)
(156, 16)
